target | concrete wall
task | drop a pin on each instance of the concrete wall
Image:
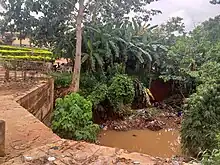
(40, 102)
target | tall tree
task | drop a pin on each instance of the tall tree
(107, 11)
(77, 66)
(58, 17)
(17, 17)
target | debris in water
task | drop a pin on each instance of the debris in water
(136, 162)
(105, 128)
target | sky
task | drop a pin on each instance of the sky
(192, 11)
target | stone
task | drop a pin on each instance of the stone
(136, 163)
(105, 128)
(155, 125)
(51, 159)
(27, 158)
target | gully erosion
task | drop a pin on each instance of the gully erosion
(26, 138)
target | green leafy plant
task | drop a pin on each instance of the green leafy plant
(209, 72)
(73, 118)
(213, 157)
(99, 94)
(121, 91)
(88, 82)
(19, 51)
(62, 80)
(201, 120)
(26, 57)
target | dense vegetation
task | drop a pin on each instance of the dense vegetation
(73, 118)
(116, 58)
(19, 53)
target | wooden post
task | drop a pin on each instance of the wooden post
(2, 138)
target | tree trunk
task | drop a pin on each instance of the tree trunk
(20, 38)
(77, 66)
(20, 42)
(7, 75)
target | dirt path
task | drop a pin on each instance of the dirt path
(23, 130)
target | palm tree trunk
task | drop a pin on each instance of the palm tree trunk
(77, 66)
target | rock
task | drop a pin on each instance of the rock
(175, 163)
(155, 125)
(27, 159)
(192, 163)
(51, 159)
(136, 162)
(105, 128)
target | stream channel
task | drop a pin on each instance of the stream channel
(163, 143)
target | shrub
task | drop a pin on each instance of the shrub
(19, 51)
(27, 58)
(87, 84)
(201, 119)
(62, 80)
(6, 47)
(208, 73)
(73, 118)
(212, 158)
(121, 91)
(99, 94)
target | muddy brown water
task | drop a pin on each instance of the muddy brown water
(164, 143)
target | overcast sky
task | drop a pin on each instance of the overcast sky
(192, 11)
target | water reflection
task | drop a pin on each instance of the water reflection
(164, 143)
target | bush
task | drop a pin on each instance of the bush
(19, 51)
(99, 94)
(201, 120)
(6, 47)
(208, 73)
(27, 58)
(62, 80)
(212, 158)
(73, 118)
(87, 84)
(121, 91)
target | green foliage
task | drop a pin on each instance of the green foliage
(213, 157)
(114, 70)
(73, 118)
(121, 91)
(209, 72)
(11, 50)
(6, 47)
(87, 84)
(61, 79)
(201, 119)
(19, 53)
(26, 57)
(99, 94)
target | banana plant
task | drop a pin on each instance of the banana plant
(118, 43)
(93, 58)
